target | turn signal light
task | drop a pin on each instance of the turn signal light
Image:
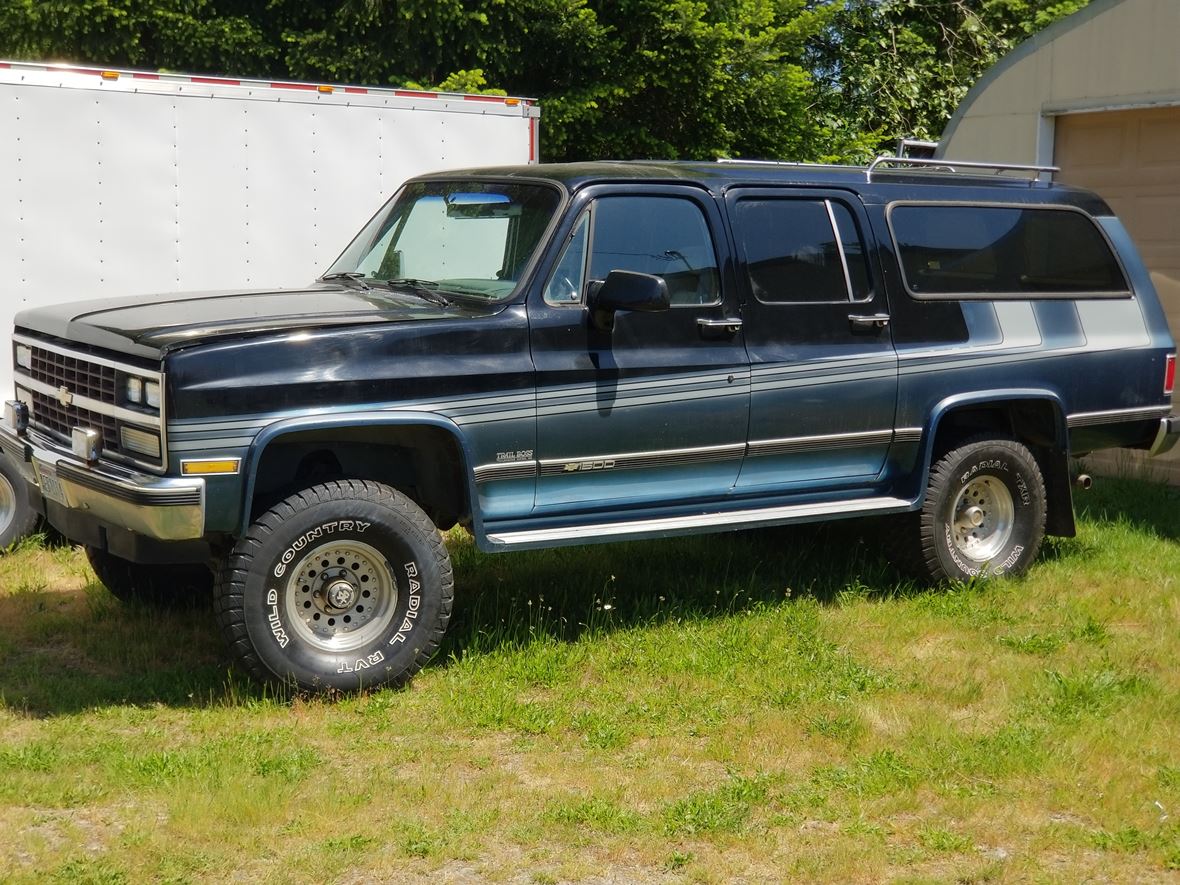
(207, 468)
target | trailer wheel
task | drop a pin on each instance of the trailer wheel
(17, 517)
(984, 513)
(159, 586)
(343, 586)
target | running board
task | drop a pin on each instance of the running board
(676, 525)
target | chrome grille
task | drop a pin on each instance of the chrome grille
(81, 376)
(48, 414)
(67, 388)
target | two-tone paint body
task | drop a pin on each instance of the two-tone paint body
(693, 419)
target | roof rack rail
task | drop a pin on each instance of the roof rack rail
(953, 165)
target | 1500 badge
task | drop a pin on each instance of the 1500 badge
(586, 466)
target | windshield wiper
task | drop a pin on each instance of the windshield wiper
(346, 276)
(427, 290)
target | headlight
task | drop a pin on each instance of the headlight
(24, 356)
(151, 394)
(135, 390)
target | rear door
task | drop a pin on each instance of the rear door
(823, 367)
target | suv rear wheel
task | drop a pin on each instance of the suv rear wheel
(984, 512)
(344, 585)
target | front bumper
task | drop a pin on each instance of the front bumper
(1167, 435)
(161, 508)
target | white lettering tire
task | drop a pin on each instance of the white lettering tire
(984, 513)
(343, 586)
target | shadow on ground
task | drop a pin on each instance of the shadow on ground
(62, 651)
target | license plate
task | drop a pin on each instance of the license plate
(50, 484)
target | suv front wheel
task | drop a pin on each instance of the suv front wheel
(344, 585)
(984, 512)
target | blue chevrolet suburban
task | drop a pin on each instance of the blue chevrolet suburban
(564, 354)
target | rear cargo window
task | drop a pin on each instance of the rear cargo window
(1003, 252)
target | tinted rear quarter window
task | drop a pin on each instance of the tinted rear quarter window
(1001, 251)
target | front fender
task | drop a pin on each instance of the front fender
(338, 421)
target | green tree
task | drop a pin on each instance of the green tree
(788, 79)
(889, 69)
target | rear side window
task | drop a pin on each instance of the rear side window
(801, 251)
(1003, 252)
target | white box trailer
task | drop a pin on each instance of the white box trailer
(123, 182)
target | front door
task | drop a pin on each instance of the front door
(655, 410)
(823, 368)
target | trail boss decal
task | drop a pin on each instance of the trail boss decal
(413, 603)
(328, 528)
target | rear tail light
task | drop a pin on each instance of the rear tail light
(1169, 373)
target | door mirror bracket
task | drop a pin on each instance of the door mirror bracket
(625, 290)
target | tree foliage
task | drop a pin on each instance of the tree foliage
(889, 69)
(793, 79)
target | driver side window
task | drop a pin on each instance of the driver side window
(664, 236)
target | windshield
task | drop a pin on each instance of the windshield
(462, 237)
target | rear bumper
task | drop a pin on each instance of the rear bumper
(1167, 435)
(162, 508)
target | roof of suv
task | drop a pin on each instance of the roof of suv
(721, 175)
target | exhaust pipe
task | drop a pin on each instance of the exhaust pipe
(1084, 481)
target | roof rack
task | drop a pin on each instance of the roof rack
(953, 165)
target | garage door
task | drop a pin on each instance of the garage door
(1132, 158)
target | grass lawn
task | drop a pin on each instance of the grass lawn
(768, 705)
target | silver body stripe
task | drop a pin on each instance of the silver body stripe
(1115, 416)
(733, 518)
(797, 444)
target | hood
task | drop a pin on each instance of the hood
(149, 326)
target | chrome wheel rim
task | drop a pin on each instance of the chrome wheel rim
(983, 519)
(341, 596)
(7, 503)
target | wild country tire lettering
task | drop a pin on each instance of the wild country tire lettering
(329, 528)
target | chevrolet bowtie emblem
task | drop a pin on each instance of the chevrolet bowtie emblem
(64, 396)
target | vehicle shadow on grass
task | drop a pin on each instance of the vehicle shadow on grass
(67, 650)
(504, 600)
(1145, 504)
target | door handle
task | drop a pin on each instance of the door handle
(869, 321)
(728, 326)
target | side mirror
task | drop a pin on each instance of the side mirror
(625, 290)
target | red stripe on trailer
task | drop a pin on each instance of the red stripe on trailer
(307, 86)
(532, 139)
(4, 64)
(496, 98)
(141, 76)
(405, 93)
(356, 90)
(215, 81)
